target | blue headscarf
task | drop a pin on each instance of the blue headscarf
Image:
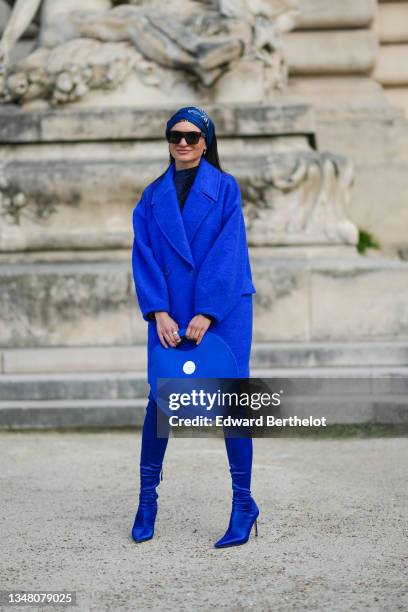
(195, 115)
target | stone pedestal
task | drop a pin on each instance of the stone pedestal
(299, 298)
(68, 311)
(70, 180)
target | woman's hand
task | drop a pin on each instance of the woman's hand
(197, 328)
(166, 326)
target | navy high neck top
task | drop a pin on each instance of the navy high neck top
(183, 179)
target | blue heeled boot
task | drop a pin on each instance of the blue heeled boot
(151, 473)
(244, 511)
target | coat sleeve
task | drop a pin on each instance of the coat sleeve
(221, 276)
(150, 284)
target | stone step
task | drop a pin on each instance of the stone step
(67, 414)
(312, 354)
(115, 413)
(264, 354)
(130, 385)
(118, 399)
(110, 386)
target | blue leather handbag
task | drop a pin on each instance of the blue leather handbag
(212, 358)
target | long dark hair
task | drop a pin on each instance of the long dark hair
(211, 155)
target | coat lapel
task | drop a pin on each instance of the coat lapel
(201, 197)
(178, 226)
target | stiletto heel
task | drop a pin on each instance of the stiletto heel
(256, 527)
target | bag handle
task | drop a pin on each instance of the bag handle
(186, 342)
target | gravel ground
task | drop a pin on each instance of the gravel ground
(332, 527)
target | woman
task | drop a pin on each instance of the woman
(191, 270)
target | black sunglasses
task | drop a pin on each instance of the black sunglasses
(192, 138)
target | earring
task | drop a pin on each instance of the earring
(205, 151)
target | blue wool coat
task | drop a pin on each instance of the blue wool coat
(195, 260)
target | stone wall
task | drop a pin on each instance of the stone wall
(335, 63)
(332, 51)
(391, 70)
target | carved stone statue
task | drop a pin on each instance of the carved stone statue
(86, 45)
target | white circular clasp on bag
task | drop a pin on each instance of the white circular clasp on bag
(189, 367)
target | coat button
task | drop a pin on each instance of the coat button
(192, 271)
(166, 272)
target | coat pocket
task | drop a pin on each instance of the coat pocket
(248, 287)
